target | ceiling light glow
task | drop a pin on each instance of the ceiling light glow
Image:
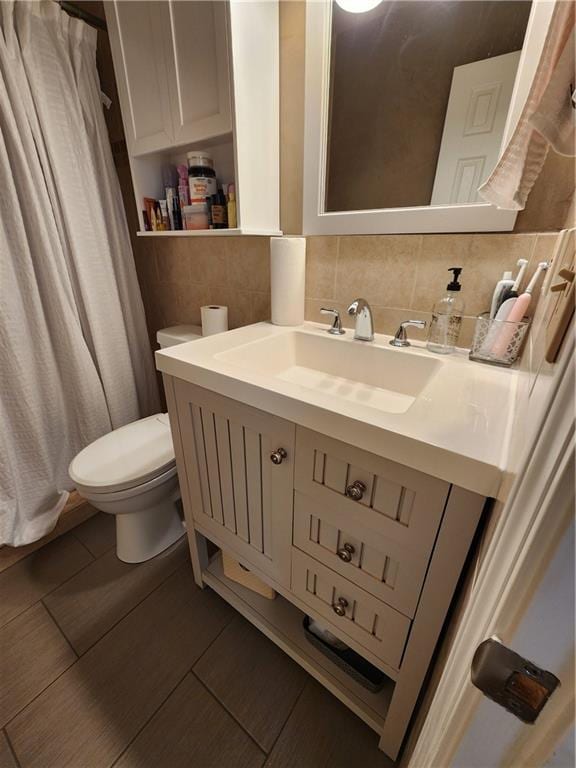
(357, 6)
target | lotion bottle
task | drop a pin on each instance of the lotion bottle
(447, 317)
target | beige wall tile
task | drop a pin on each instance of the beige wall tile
(321, 258)
(489, 257)
(388, 321)
(382, 269)
(248, 263)
(261, 307)
(312, 312)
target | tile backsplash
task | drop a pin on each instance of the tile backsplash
(178, 275)
(400, 275)
(403, 275)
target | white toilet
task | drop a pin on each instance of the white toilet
(131, 473)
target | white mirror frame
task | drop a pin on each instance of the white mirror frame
(476, 217)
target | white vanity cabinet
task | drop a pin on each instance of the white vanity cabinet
(370, 548)
(195, 74)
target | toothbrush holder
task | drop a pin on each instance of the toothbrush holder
(488, 332)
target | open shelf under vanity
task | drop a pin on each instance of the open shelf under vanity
(281, 622)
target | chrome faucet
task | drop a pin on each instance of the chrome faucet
(364, 330)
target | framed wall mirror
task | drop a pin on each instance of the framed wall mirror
(408, 107)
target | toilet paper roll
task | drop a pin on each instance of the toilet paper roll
(287, 274)
(214, 319)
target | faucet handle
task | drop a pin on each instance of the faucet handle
(400, 338)
(336, 328)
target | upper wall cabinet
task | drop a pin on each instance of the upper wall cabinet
(408, 109)
(201, 75)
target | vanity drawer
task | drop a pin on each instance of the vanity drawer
(359, 615)
(403, 505)
(367, 558)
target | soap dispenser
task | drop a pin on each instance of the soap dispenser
(447, 317)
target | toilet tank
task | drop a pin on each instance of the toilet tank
(177, 334)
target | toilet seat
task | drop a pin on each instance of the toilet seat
(100, 495)
(137, 456)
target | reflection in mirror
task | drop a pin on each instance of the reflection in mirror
(419, 96)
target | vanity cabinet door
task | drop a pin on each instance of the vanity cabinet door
(240, 470)
(402, 504)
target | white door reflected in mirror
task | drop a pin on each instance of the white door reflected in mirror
(473, 129)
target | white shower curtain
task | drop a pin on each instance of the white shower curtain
(75, 360)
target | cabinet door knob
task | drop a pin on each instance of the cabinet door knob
(278, 456)
(340, 606)
(346, 553)
(356, 490)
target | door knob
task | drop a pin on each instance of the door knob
(356, 490)
(340, 606)
(346, 553)
(278, 456)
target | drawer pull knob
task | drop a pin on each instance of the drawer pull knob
(340, 606)
(278, 456)
(356, 490)
(346, 553)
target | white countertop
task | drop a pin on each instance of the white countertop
(457, 429)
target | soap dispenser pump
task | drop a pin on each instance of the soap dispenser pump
(447, 317)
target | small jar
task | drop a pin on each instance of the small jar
(195, 216)
(201, 176)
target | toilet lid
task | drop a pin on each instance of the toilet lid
(126, 457)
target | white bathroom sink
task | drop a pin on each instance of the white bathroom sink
(440, 414)
(384, 378)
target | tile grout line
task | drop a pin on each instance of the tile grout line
(188, 672)
(33, 699)
(92, 555)
(10, 747)
(148, 720)
(292, 708)
(147, 595)
(225, 708)
(211, 643)
(85, 652)
(40, 599)
(60, 630)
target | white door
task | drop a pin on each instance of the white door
(545, 636)
(137, 42)
(475, 119)
(198, 70)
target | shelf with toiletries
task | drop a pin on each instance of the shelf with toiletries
(200, 77)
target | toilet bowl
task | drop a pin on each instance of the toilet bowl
(131, 473)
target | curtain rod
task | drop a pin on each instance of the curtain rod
(73, 10)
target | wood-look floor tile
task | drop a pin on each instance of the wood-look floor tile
(33, 653)
(192, 729)
(322, 733)
(256, 681)
(6, 756)
(93, 711)
(91, 602)
(29, 580)
(98, 534)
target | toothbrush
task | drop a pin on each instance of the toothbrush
(508, 288)
(511, 293)
(516, 313)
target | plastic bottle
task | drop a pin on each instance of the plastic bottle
(232, 221)
(201, 177)
(447, 317)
